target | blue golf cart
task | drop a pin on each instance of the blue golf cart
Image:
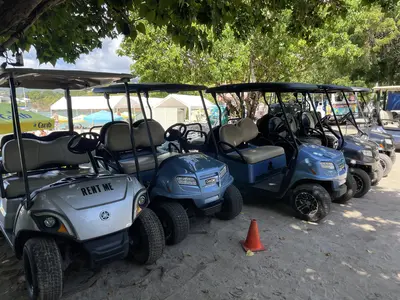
(180, 185)
(277, 164)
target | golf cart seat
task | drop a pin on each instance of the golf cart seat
(41, 160)
(387, 119)
(117, 141)
(240, 135)
(47, 138)
(308, 129)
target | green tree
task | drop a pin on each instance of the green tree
(66, 29)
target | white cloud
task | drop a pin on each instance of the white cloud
(103, 59)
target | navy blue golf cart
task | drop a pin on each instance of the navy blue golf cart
(365, 127)
(277, 164)
(180, 185)
(361, 155)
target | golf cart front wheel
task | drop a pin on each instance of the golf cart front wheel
(147, 238)
(311, 202)
(386, 164)
(174, 220)
(363, 182)
(393, 157)
(351, 185)
(232, 205)
(43, 269)
(379, 175)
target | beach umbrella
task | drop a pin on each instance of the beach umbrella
(101, 117)
(29, 120)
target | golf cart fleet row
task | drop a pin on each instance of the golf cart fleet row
(130, 189)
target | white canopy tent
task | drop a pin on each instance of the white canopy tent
(87, 104)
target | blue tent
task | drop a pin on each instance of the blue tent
(101, 117)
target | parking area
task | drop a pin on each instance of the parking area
(351, 254)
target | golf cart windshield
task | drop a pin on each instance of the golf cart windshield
(47, 79)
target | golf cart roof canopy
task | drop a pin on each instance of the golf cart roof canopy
(332, 88)
(389, 88)
(361, 89)
(150, 87)
(268, 87)
(58, 79)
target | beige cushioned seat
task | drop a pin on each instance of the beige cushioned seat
(387, 119)
(39, 154)
(117, 140)
(245, 131)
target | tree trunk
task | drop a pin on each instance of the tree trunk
(16, 16)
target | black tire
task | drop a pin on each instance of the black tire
(43, 269)
(363, 182)
(315, 195)
(174, 220)
(386, 163)
(351, 189)
(232, 205)
(147, 238)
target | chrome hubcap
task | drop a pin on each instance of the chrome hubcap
(306, 203)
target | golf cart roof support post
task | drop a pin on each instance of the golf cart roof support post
(351, 112)
(17, 130)
(107, 96)
(359, 105)
(316, 114)
(241, 105)
(153, 148)
(146, 94)
(128, 102)
(214, 95)
(265, 99)
(278, 95)
(334, 115)
(69, 110)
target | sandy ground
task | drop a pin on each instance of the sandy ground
(352, 254)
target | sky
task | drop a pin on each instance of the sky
(103, 59)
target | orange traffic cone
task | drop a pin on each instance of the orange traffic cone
(252, 241)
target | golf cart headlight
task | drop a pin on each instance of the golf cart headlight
(367, 153)
(142, 200)
(327, 165)
(223, 171)
(185, 180)
(389, 141)
(49, 222)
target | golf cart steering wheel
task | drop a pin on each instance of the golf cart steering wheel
(84, 143)
(344, 117)
(172, 134)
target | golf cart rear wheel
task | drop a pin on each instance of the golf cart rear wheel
(232, 205)
(147, 238)
(351, 185)
(43, 269)
(311, 202)
(174, 220)
(386, 164)
(363, 182)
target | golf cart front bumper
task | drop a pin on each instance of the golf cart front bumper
(107, 248)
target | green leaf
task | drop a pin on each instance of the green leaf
(141, 28)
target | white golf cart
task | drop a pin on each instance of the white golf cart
(55, 202)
